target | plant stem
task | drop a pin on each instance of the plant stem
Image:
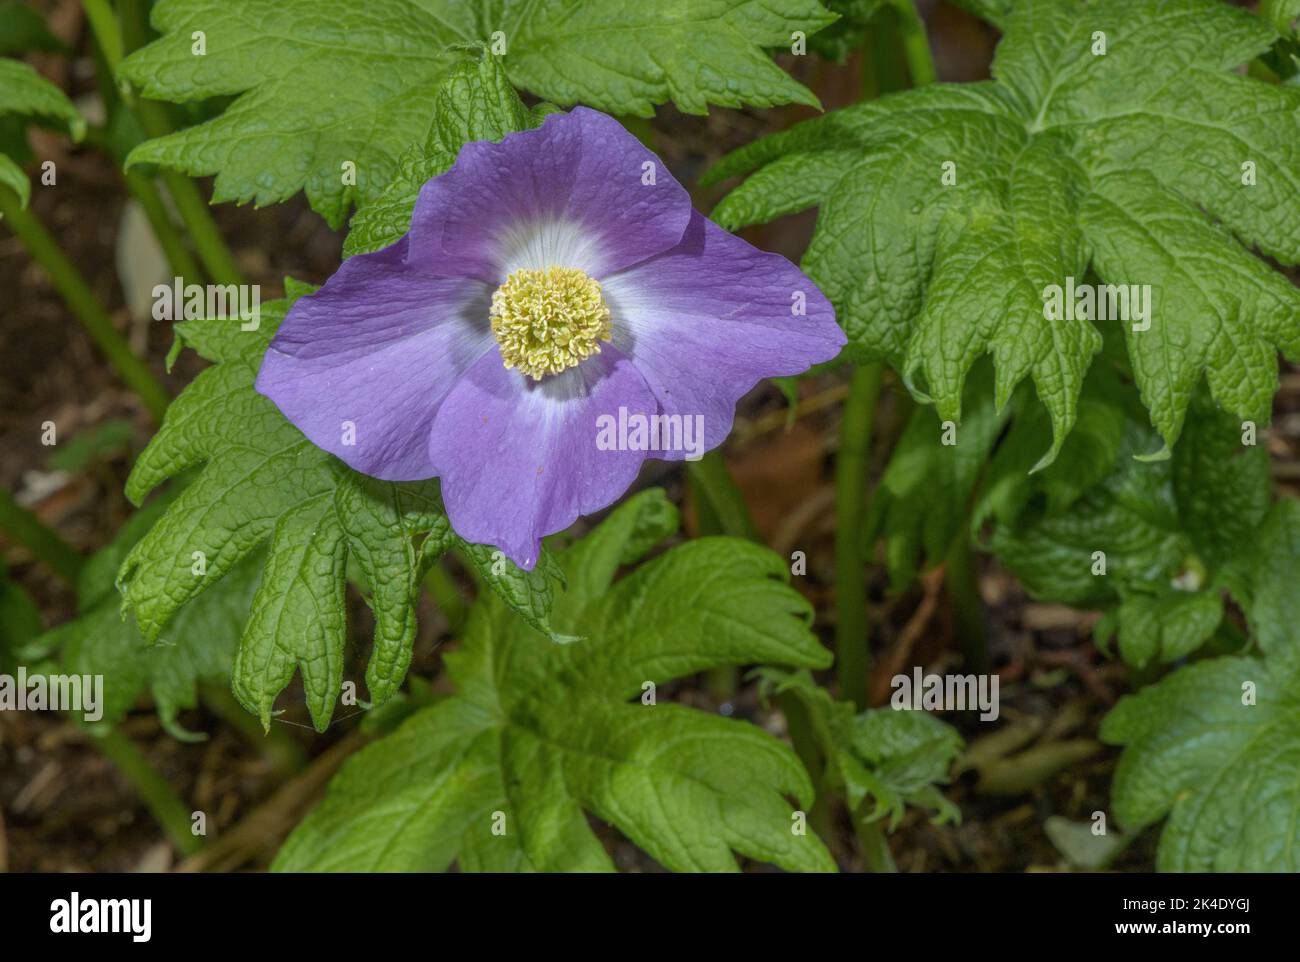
(103, 26)
(882, 74)
(152, 115)
(77, 294)
(197, 217)
(107, 48)
(853, 658)
(723, 681)
(961, 573)
(146, 194)
(706, 518)
(721, 508)
(961, 577)
(874, 845)
(883, 68)
(163, 803)
(711, 478)
(916, 43)
(808, 747)
(38, 538)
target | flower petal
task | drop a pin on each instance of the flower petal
(570, 193)
(707, 320)
(519, 459)
(368, 358)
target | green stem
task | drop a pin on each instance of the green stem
(961, 577)
(916, 43)
(83, 303)
(711, 477)
(163, 803)
(197, 217)
(961, 574)
(722, 509)
(874, 845)
(146, 194)
(807, 746)
(898, 21)
(853, 657)
(42, 541)
(883, 68)
(154, 120)
(706, 518)
(447, 596)
(107, 48)
(103, 25)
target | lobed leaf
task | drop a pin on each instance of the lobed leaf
(262, 483)
(1215, 747)
(947, 211)
(25, 93)
(1158, 541)
(198, 644)
(882, 759)
(500, 776)
(322, 83)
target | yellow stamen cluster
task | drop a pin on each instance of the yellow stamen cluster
(547, 321)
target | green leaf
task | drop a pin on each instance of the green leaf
(22, 29)
(923, 499)
(1167, 626)
(263, 483)
(198, 644)
(538, 735)
(84, 448)
(476, 102)
(1282, 13)
(1215, 747)
(12, 176)
(20, 619)
(889, 757)
(324, 82)
(1174, 533)
(1131, 517)
(1133, 162)
(1087, 456)
(25, 93)
(850, 32)
(1274, 603)
(1223, 487)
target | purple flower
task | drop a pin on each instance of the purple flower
(556, 314)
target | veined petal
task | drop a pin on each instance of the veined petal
(519, 458)
(578, 191)
(361, 365)
(707, 320)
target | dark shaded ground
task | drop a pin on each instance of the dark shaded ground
(63, 806)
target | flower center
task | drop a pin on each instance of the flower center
(548, 321)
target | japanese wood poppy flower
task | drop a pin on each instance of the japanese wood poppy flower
(556, 314)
